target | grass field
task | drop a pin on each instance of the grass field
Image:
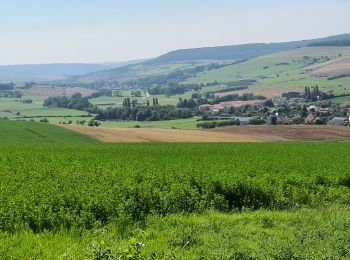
(341, 100)
(280, 70)
(192, 201)
(190, 123)
(22, 132)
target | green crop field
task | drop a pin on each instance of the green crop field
(184, 201)
(22, 132)
(190, 123)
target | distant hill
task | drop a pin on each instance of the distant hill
(54, 71)
(244, 51)
(192, 57)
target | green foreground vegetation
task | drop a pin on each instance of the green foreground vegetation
(187, 201)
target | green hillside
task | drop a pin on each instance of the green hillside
(186, 58)
(244, 51)
(287, 70)
(22, 132)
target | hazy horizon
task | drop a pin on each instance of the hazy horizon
(116, 31)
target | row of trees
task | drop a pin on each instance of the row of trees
(236, 97)
(7, 86)
(215, 124)
(145, 113)
(313, 93)
(133, 103)
(129, 111)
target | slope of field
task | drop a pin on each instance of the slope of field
(315, 52)
(332, 68)
(279, 72)
(191, 201)
(291, 133)
(22, 132)
(141, 135)
(134, 71)
(187, 58)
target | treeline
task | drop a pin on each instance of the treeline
(231, 89)
(236, 97)
(145, 113)
(77, 103)
(168, 84)
(7, 86)
(176, 88)
(313, 93)
(165, 79)
(331, 43)
(129, 111)
(216, 124)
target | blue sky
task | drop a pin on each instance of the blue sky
(54, 31)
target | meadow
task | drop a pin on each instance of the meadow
(188, 201)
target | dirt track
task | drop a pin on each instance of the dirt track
(141, 135)
(291, 133)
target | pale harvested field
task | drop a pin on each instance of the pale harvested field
(268, 92)
(142, 135)
(291, 133)
(55, 91)
(331, 68)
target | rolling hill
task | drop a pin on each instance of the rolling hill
(187, 58)
(244, 51)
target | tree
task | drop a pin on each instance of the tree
(77, 95)
(44, 120)
(269, 103)
(274, 120)
(304, 112)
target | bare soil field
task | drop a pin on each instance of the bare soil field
(290, 133)
(230, 134)
(141, 135)
(331, 68)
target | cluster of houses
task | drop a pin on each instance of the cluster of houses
(216, 108)
(291, 109)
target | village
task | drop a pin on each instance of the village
(312, 107)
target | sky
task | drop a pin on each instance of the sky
(90, 31)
